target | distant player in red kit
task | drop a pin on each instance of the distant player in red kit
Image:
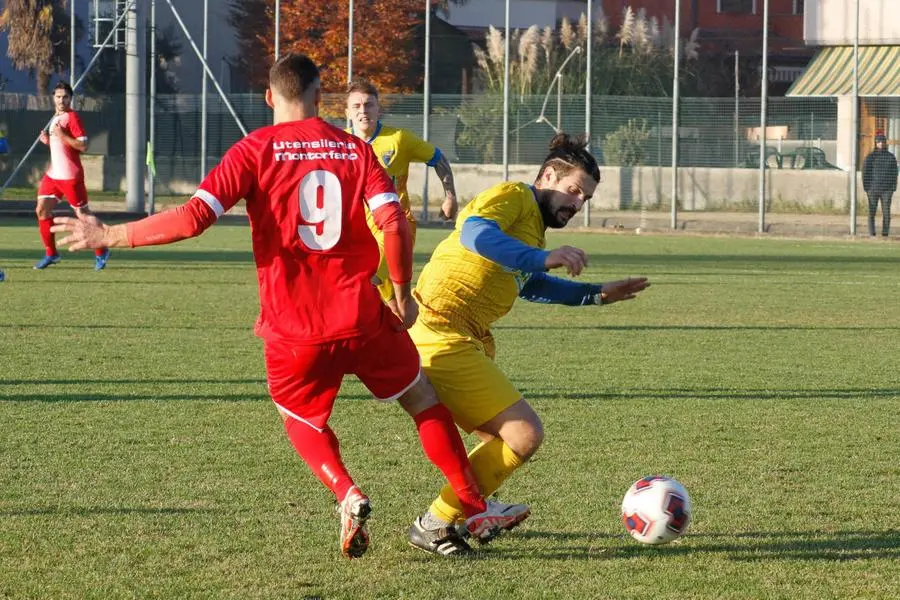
(306, 186)
(65, 179)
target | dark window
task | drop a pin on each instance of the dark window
(744, 7)
(798, 7)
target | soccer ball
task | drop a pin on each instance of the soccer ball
(656, 510)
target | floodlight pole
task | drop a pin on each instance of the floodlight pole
(350, 44)
(71, 42)
(673, 222)
(506, 95)
(426, 108)
(203, 94)
(151, 191)
(135, 105)
(587, 95)
(764, 95)
(277, 29)
(854, 149)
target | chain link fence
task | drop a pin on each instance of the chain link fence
(631, 137)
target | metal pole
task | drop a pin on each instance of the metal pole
(135, 105)
(589, 42)
(426, 109)
(277, 29)
(71, 42)
(854, 149)
(206, 68)
(203, 95)
(675, 91)
(737, 109)
(75, 86)
(559, 102)
(350, 44)
(764, 94)
(151, 192)
(506, 96)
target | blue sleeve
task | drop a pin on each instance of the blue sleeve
(485, 238)
(546, 289)
(436, 158)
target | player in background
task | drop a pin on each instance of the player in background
(306, 186)
(494, 255)
(395, 148)
(65, 179)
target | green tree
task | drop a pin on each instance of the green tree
(38, 37)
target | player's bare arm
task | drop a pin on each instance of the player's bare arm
(45, 139)
(445, 174)
(623, 289)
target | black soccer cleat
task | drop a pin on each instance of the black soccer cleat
(443, 541)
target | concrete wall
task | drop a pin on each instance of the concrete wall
(699, 188)
(621, 188)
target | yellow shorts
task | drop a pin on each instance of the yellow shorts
(464, 374)
(386, 288)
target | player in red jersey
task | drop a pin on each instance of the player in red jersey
(306, 186)
(65, 179)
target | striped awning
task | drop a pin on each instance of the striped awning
(830, 73)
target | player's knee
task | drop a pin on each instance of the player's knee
(525, 437)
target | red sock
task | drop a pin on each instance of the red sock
(321, 451)
(47, 236)
(443, 446)
(99, 251)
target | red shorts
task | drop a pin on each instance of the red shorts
(72, 190)
(304, 380)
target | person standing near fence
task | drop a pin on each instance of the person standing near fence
(880, 182)
(395, 149)
(67, 139)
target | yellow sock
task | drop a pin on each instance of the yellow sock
(492, 462)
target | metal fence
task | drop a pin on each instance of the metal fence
(718, 147)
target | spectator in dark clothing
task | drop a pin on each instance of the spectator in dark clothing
(880, 182)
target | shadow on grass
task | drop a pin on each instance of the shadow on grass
(248, 328)
(747, 547)
(123, 259)
(720, 394)
(74, 511)
(690, 328)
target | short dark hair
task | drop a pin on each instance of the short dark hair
(570, 152)
(62, 85)
(363, 86)
(293, 74)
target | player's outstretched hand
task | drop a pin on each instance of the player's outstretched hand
(449, 208)
(623, 289)
(407, 310)
(573, 259)
(84, 232)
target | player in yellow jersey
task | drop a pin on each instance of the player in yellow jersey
(395, 148)
(494, 255)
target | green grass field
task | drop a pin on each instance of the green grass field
(141, 458)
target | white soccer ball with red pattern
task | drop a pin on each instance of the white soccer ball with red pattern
(656, 510)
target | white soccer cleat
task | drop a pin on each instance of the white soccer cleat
(355, 511)
(497, 518)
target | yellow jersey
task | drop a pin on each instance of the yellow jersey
(396, 148)
(461, 289)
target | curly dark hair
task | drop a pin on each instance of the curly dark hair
(568, 152)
